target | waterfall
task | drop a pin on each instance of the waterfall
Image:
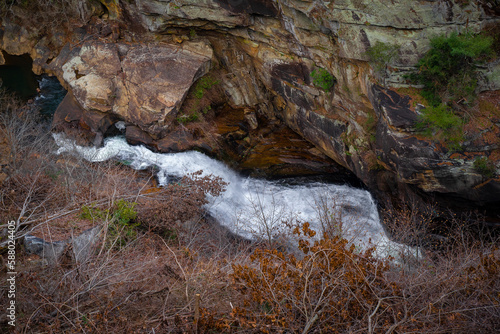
(250, 207)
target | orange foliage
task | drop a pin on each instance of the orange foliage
(329, 287)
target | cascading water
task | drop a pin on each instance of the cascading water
(50, 95)
(253, 207)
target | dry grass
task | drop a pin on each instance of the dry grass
(150, 284)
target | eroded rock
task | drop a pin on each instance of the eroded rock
(141, 84)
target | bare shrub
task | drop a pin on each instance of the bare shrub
(270, 215)
(329, 215)
(150, 281)
(149, 285)
(41, 186)
(169, 210)
(334, 289)
(25, 133)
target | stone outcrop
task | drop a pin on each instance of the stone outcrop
(264, 52)
(142, 84)
(428, 164)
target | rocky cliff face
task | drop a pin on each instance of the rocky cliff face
(137, 60)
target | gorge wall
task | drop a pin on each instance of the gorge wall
(138, 61)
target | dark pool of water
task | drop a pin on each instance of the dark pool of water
(51, 93)
(18, 77)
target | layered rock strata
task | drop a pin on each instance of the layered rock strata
(138, 60)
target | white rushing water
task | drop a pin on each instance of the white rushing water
(251, 207)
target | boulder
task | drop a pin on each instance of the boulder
(70, 115)
(141, 84)
(178, 141)
(79, 247)
(135, 136)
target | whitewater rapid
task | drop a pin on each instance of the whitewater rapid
(251, 207)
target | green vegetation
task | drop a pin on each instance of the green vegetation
(438, 118)
(121, 217)
(124, 211)
(198, 91)
(485, 167)
(380, 55)
(122, 228)
(449, 78)
(442, 122)
(206, 109)
(323, 79)
(203, 85)
(91, 213)
(447, 70)
(184, 119)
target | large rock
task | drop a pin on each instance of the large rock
(141, 84)
(71, 118)
(424, 162)
(78, 248)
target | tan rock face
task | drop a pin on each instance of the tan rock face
(142, 84)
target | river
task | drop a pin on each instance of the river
(251, 207)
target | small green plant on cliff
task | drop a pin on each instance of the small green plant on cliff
(436, 118)
(203, 85)
(442, 122)
(447, 71)
(380, 55)
(323, 79)
(449, 78)
(485, 167)
(184, 119)
(198, 91)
